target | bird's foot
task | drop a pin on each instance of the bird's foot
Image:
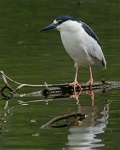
(75, 84)
(77, 92)
(90, 82)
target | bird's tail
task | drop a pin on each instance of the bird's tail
(104, 62)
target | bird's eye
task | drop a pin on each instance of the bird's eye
(60, 21)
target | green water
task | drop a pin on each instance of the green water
(28, 56)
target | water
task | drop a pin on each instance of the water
(28, 56)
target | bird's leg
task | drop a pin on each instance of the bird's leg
(75, 83)
(90, 82)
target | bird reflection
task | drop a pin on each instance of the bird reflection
(77, 94)
(85, 136)
(84, 126)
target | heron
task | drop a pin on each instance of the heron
(80, 42)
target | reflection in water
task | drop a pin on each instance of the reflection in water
(4, 117)
(85, 137)
(77, 94)
(7, 113)
(81, 135)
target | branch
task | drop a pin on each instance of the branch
(53, 91)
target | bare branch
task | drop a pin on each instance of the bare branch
(53, 91)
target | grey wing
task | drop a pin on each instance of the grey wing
(93, 46)
(95, 51)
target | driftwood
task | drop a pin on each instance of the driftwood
(52, 91)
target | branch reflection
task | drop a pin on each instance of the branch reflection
(86, 136)
(84, 126)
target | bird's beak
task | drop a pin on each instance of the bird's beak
(49, 27)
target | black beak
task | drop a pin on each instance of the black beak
(49, 27)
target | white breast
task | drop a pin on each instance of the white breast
(75, 46)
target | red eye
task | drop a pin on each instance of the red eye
(60, 21)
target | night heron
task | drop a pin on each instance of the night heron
(80, 42)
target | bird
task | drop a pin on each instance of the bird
(81, 43)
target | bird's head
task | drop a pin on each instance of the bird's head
(59, 23)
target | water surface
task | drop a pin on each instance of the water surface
(28, 56)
